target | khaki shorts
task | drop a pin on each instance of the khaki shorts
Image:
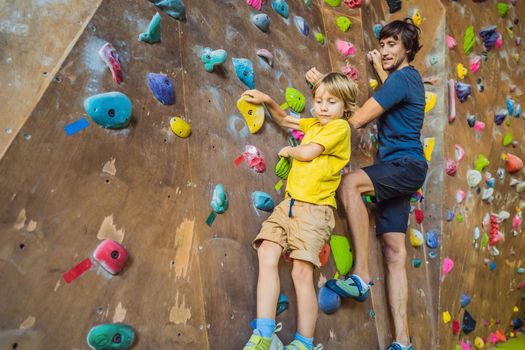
(304, 234)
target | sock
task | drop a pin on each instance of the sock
(309, 342)
(266, 326)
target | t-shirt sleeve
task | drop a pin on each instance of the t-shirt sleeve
(307, 123)
(393, 91)
(334, 137)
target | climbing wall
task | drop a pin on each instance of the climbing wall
(189, 284)
(485, 271)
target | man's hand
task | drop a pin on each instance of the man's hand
(313, 76)
(256, 97)
(374, 58)
(285, 151)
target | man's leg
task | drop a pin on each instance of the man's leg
(268, 284)
(394, 252)
(352, 187)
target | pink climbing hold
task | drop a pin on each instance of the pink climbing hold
(350, 71)
(521, 285)
(451, 167)
(451, 42)
(460, 196)
(451, 100)
(465, 346)
(448, 265)
(110, 56)
(499, 42)
(253, 156)
(345, 47)
(475, 63)
(298, 135)
(495, 236)
(352, 3)
(460, 152)
(479, 126)
(256, 4)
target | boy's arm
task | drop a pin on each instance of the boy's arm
(303, 153)
(278, 114)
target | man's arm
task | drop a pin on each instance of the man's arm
(374, 57)
(278, 114)
(371, 110)
(303, 153)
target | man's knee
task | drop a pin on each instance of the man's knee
(395, 254)
(348, 188)
(269, 254)
(302, 273)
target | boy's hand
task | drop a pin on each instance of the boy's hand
(255, 96)
(285, 151)
(313, 75)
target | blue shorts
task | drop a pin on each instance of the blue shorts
(394, 183)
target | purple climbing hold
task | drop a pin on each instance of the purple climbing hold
(301, 25)
(450, 215)
(500, 117)
(463, 91)
(162, 88)
(469, 323)
(393, 5)
(489, 35)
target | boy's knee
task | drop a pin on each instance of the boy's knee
(302, 272)
(269, 254)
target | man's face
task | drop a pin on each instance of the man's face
(393, 53)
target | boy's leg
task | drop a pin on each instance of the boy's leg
(268, 284)
(302, 275)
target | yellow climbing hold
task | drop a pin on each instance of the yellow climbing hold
(253, 114)
(373, 84)
(428, 147)
(430, 101)
(180, 127)
(479, 343)
(446, 317)
(416, 238)
(462, 71)
(516, 309)
(416, 17)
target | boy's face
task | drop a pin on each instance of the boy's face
(327, 106)
(393, 53)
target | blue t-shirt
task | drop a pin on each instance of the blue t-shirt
(402, 96)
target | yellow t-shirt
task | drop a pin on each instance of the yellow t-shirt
(316, 181)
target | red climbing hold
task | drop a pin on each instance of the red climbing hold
(253, 156)
(451, 167)
(455, 327)
(419, 215)
(111, 256)
(110, 56)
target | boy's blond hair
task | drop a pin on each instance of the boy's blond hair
(342, 87)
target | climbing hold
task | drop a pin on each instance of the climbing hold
(432, 241)
(479, 126)
(507, 139)
(451, 42)
(500, 117)
(509, 102)
(244, 70)
(282, 168)
(446, 317)
(110, 110)
(308, 3)
(520, 270)
(487, 194)
(253, 157)
(433, 60)
(352, 3)
(517, 111)
(346, 48)
(459, 152)
(301, 25)
(451, 167)
(475, 63)
(261, 21)
(282, 304)
(152, 34)
(294, 100)
(377, 30)
(350, 71)
(514, 163)
(479, 343)
(319, 37)
(416, 238)
(492, 265)
(461, 71)
(416, 17)
(110, 56)
(281, 7)
(329, 301)
(459, 218)
(162, 88)
(455, 327)
(373, 84)
(490, 36)
(416, 263)
(180, 127)
(298, 136)
(324, 254)
(451, 101)
(111, 256)
(266, 55)
(432, 254)
(256, 4)
(219, 201)
(212, 58)
(450, 215)
(393, 5)
(473, 178)
(480, 85)
(333, 3)
(419, 216)
(428, 147)
(469, 323)
(464, 300)
(460, 196)
(448, 265)
(481, 162)
(469, 39)
(344, 23)
(463, 91)
(503, 8)
(471, 120)
(113, 336)
(520, 187)
(430, 101)
(342, 253)
(173, 8)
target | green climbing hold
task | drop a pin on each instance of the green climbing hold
(283, 166)
(294, 99)
(152, 35)
(342, 253)
(111, 336)
(484, 240)
(507, 139)
(308, 3)
(319, 37)
(416, 263)
(481, 162)
(333, 3)
(459, 218)
(344, 23)
(219, 200)
(503, 8)
(469, 40)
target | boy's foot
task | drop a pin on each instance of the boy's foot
(353, 287)
(298, 345)
(258, 342)
(397, 346)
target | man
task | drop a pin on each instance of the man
(399, 171)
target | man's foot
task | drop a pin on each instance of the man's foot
(353, 287)
(397, 346)
(258, 342)
(299, 345)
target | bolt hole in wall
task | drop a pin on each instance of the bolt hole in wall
(107, 181)
(44, 74)
(58, 79)
(22, 245)
(15, 345)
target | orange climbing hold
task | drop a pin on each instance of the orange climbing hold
(514, 163)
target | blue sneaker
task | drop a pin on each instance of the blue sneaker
(396, 346)
(352, 287)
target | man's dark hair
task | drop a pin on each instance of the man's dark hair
(408, 32)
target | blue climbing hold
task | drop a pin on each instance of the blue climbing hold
(211, 58)
(471, 120)
(489, 35)
(517, 111)
(510, 105)
(463, 91)
(162, 88)
(450, 215)
(244, 69)
(262, 201)
(500, 117)
(152, 35)
(261, 21)
(377, 30)
(281, 7)
(301, 25)
(173, 8)
(219, 200)
(432, 254)
(329, 301)
(282, 304)
(110, 110)
(432, 241)
(464, 300)
(492, 265)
